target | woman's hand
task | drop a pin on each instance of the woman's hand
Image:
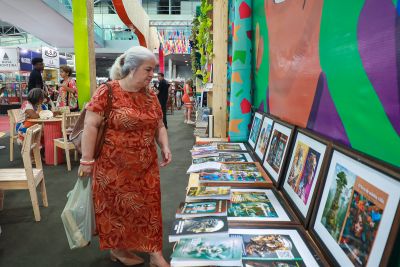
(166, 156)
(85, 171)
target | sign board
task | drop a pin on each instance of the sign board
(9, 59)
(25, 60)
(51, 58)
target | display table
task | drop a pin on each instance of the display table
(51, 131)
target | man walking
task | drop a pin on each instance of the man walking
(163, 96)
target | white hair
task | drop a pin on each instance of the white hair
(130, 60)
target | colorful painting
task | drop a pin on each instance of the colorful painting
(356, 213)
(278, 146)
(362, 221)
(340, 192)
(262, 141)
(302, 173)
(255, 128)
(252, 209)
(316, 66)
(264, 247)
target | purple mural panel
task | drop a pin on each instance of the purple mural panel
(324, 118)
(377, 30)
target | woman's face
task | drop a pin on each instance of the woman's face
(63, 74)
(144, 73)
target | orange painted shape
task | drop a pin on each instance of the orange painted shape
(293, 31)
(120, 8)
(234, 125)
(236, 77)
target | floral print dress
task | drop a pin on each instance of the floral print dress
(126, 184)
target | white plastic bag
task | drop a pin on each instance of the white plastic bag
(78, 215)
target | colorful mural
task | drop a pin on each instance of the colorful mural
(240, 95)
(334, 70)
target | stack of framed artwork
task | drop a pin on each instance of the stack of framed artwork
(346, 202)
(325, 205)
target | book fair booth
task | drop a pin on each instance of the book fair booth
(300, 166)
(15, 68)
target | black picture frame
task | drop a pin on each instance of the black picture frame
(280, 131)
(374, 183)
(315, 149)
(316, 253)
(260, 148)
(293, 220)
(255, 129)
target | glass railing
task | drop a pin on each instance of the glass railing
(119, 33)
(64, 8)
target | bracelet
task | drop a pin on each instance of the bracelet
(87, 162)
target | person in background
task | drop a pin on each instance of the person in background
(188, 101)
(126, 177)
(67, 92)
(30, 110)
(35, 78)
(178, 96)
(163, 87)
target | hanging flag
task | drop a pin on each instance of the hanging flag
(161, 58)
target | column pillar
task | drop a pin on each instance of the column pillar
(169, 68)
(220, 51)
(174, 71)
(84, 49)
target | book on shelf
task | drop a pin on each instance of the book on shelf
(208, 192)
(233, 178)
(224, 146)
(212, 166)
(223, 157)
(202, 208)
(274, 247)
(210, 226)
(208, 252)
(241, 166)
(256, 205)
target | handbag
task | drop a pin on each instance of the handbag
(76, 134)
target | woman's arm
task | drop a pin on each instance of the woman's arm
(92, 124)
(32, 114)
(69, 89)
(162, 141)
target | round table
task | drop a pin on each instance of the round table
(51, 131)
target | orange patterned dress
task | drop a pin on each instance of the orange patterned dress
(126, 184)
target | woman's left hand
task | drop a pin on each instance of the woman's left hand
(166, 156)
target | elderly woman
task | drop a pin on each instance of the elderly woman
(126, 179)
(67, 92)
(30, 110)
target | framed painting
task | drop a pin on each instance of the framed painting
(255, 128)
(277, 150)
(357, 214)
(303, 174)
(277, 246)
(255, 206)
(262, 141)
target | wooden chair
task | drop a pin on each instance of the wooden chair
(14, 118)
(68, 122)
(27, 177)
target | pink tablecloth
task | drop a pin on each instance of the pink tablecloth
(51, 131)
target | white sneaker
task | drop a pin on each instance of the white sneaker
(185, 121)
(190, 122)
